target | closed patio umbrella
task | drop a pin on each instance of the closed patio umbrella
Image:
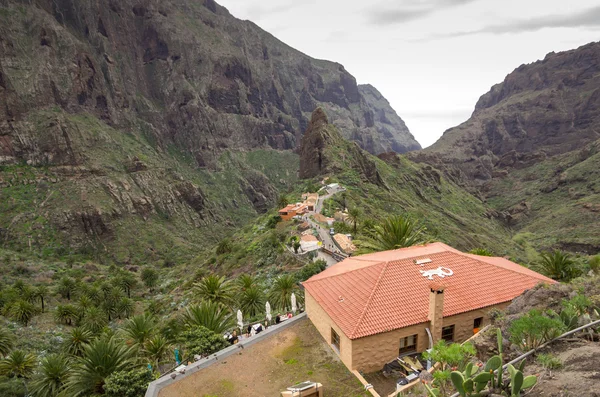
(268, 309)
(294, 307)
(240, 319)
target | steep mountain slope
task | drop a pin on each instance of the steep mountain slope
(531, 148)
(139, 127)
(391, 184)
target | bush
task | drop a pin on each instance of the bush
(534, 329)
(201, 341)
(128, 383)
(595, 264)
(273, 221)
(549, 361)
(311, 269)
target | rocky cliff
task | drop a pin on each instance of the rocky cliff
(531, 150)
(122, 121)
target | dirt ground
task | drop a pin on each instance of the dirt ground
(267, 368)
(579, 375)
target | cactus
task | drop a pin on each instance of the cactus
(519, 382)
(432, 392)
(500, 371)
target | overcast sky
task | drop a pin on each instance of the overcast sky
(432, 59)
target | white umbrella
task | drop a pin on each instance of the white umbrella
(240, 319)
(294, 303)
(268, 309)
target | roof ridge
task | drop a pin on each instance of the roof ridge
(362, 315)
(341, 273)
(471, 256)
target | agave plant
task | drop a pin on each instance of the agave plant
(210, 315)
(395, 232)
(77, 339)
(101, 358)
(51, 377)
(18, 364)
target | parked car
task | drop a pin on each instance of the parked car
(331, 231)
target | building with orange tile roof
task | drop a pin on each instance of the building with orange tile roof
(373, 308)
(292, 210)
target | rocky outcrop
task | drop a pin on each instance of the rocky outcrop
(324, 151)
(546, 108)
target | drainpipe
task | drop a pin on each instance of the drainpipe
(430, 346)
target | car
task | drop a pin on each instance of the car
(331, 231)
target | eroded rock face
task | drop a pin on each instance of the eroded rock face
(546, 108)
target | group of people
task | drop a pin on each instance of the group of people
(254, 329)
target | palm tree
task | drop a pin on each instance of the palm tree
(210, 315)
(353, 216)
(125, 307)
(94, 320)
(156, 349)
(252, 301)
(395, 232)
(101, 358)
(40, 293)
(66, 314)
(149, 277)
(7, 341)
(214, 289)
(127, 282)
(282, 201)
(18, 364)
(139, 329)
(281, 291)
(77, 339)
(557, 265)
(245, 281)
(112, 296)
(22, 311)
(51, 377)
(66, 287)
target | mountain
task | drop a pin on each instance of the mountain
(390, 184)
(531, 150)
(136, 128)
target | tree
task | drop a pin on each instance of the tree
(296, 246)
(311, 269)
(66, 287)
(213, 288)
(245, 281)
(156, 349)
(112, 297)
(124, 307)
(210, 315)
(76, 341)
(481, 252)
(353, 215)
(252, 301)
(7, 341)
(131, 383)
(101, 358)
(149, 277)
(202, 341)
(282, 201)
(18, 364)
(395, 232)
(22, 311)
(94, 320)
(557, 265)
(40, 293)
(51, 377)
(66, 314)
(281, 291)
(139, 329)
(127, 282)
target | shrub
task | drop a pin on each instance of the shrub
(128, 383)
(481, 252)
(534, 329)
(595, 264)
(201, 341)
(311, 269)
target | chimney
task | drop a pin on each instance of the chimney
(436, 310)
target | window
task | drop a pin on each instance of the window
(448, 333)
(335, 340)
(408, 344)
(477, 322)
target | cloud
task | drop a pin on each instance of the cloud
(589, 18)
(256, 11)
(410, 11)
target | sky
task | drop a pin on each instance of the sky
(432, 59)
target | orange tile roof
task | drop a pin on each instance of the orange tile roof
(380, 292)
